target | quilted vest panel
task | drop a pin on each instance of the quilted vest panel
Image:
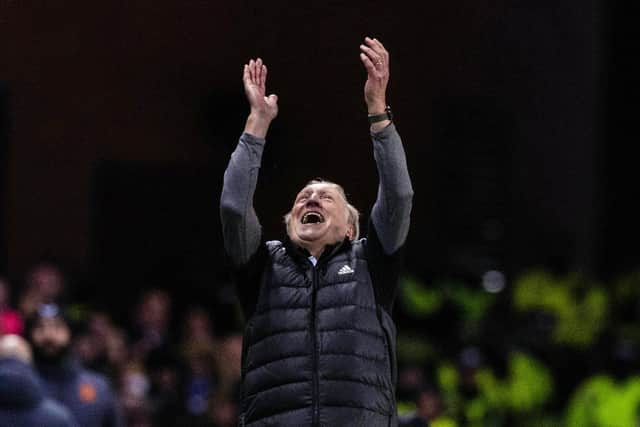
(318, 350)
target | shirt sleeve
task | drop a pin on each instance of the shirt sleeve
(390, 216)
(391, 212)
(384, 269)
(240, 225)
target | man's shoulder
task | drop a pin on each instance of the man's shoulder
(359, 247)
(54, 414)
(281, 251)
(362, 241)
(273, 245)
(93, 376)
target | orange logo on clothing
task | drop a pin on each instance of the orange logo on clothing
(87, 393)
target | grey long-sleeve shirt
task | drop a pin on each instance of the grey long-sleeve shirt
(390, 215)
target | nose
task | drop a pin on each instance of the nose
(313, 200)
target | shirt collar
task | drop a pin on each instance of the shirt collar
(303, 254)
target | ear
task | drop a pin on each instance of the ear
(350, 233)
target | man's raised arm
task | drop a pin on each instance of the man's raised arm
(240, 226)
(391, 213)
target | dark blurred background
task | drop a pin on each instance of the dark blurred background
(117, 120)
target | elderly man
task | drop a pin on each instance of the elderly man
(319, 343)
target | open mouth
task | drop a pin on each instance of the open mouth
(312, 218)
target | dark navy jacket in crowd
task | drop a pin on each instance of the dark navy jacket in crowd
(87, 394)
(22, 399)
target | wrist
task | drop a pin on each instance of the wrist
(257, 124)
(377, 107)
(379, 126)
(260, 116)
(378, 117)
(379, 121)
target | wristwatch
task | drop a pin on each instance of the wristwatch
(387, 115)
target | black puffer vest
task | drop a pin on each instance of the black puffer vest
(318, 350)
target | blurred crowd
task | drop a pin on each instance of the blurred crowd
(135, 372)
(539, 349)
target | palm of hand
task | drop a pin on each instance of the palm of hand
(257, 99)
(255, 93)
(269, 104)
(255, 76)
(376, 61)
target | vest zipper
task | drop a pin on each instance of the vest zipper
(316, 391)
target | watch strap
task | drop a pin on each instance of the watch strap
(387, 115)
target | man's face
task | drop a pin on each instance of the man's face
(319, 216)
(51, 335)
(48, 280)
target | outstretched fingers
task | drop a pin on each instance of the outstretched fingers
(264, 75)
(252, 70)
(246, 75)
(377, 46)
(374, 56)
(259, 80)
(255, 73)
(377, 43)
(376, 53)
(375, 59)
(368, 65)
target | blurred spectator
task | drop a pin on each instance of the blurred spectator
(470, 361)
(197, 330)
(213, 372)
(198, 350)
(101, 346)
(134, 395)
(224, 412)
(10, 320)
(428, 409)
(22, 401)
(228, 356)
(45, 284)
(154, 348)
(117, 352)
(410, 379)
(429, 404)
(87, 394)
(151, 319)
(89, 350)
(166, 388)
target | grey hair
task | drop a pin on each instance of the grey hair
(354, 215)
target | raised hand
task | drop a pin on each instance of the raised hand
(376, 61)
(255, 79)
(263, 108)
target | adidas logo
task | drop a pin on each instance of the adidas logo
(345, 270)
